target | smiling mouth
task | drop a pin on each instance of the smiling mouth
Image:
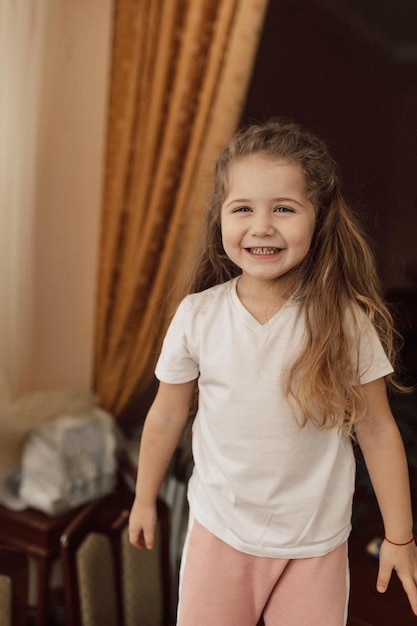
(263, 250)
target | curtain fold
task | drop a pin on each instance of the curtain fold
(180, 75)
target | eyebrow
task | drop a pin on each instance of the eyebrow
(248, 201)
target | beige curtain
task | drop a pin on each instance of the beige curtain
(180, 73)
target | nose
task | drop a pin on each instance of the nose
(262, 225)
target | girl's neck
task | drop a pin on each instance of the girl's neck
(263, 300)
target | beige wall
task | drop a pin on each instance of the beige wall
(68, 182)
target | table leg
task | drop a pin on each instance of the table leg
(43, 567)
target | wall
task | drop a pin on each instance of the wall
(69, 171)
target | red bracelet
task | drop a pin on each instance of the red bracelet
(413, 538)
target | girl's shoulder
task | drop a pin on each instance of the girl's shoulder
(355, 316)
(204, 307)
(359, 325)
(210, 296)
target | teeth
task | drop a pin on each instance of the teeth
(264, 250)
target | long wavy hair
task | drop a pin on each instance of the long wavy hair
(337, 275)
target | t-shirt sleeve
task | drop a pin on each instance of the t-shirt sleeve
(175, 364)
(372, 362)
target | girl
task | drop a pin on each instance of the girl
(288, 339)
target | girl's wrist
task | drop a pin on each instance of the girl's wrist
(401, 543)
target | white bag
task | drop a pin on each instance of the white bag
(68, 461)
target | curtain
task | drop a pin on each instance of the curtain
(180, 73)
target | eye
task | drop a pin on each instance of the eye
(242, 209)
(283, 209)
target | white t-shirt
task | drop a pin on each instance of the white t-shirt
(260, 483)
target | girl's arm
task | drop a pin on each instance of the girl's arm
(161, 433)
(383, 450)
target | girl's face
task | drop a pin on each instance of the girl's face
(267, 219)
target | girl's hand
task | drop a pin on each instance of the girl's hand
(402, 559)
(142, 524)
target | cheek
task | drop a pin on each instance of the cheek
(228, 232)
(309, 233)
(307, 242)
(225, 239)
(303, 244)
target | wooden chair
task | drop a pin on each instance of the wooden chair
(107, 582)
(13, 586)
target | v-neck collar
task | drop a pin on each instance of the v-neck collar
(249, 319)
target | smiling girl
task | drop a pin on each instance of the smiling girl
(291, 346)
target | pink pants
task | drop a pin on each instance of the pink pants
(221, 586)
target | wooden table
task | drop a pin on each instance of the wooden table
(38, 536)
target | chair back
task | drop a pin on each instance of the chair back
(107, 582)
(14, 568)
